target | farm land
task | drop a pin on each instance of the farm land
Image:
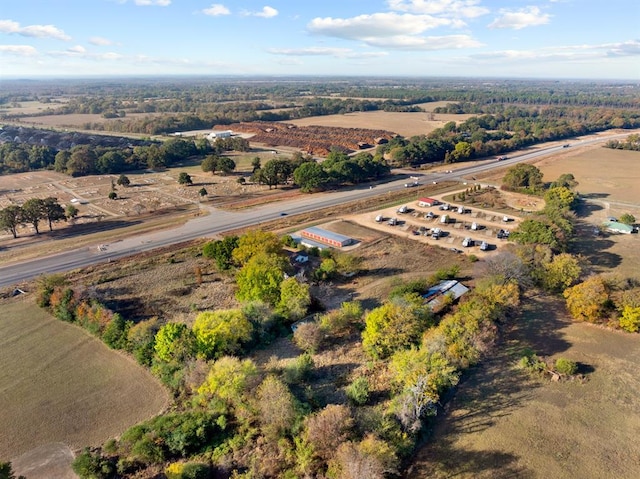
(499, 423)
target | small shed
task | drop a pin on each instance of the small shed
(326, 237)
(427, 202)
(435, 294)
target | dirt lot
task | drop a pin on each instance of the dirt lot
(60, 385)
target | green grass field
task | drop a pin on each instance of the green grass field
(59, 384)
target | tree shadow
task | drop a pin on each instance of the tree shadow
(593, 248)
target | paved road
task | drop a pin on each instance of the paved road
(219, 221)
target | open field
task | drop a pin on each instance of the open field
(504, 424)
(405, 124)
(60, 385)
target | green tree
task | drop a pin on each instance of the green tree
(173, 342)
(184, 178)
(255, 164)
(561, 198)
(397, 324)
(53, 211)
(227, 382)
(123, 180)
(534, 231)
(276, 172)
(221, 332)
(226, 165)
(627, 219)
(82, 161)
(523, 175)
(6, 471)
(33, 211)
(221, 251)
(203, 192)
(113, 195)
(294, 299)
(260, 278)
(210, 163)
(309, 176)
(566, 180)
(10, 219)
(255, 242)
(71, 211)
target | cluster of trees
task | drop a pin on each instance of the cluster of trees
(553, 226)
(34, 211)
(18, 157)
(632, 142)
(338, 169)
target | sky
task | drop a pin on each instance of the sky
(564, 39)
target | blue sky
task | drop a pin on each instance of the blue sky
(470, 38)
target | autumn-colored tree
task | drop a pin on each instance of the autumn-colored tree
(173, 342)
(276, 406)
(308, 336)
(372, 458)
(629, 319)
(563, 271)
(221, 332)
(586, 301)
(327, 429)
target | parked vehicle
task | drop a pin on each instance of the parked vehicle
(444, 207)
(379, 219)
(429, 216)
(484, 246)
(403, 209)
(444, 219)
(392, 221)
(474, 226)
(467, 242)
(461, 210)
(435, 233)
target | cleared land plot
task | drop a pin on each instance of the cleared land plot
(60, 385)
(503, 424)
(405, 124)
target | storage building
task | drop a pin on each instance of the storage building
(426, 202)
(326, 237)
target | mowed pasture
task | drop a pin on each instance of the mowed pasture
(58, 384)
(505, 424)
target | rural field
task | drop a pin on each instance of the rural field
(61, 386)
(502, 423)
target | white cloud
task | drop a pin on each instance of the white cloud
(454, 8)
(325, 51)
(19, 50)
(519, 19)
(376, 25)
(266, 12)
(147, 3)
(567, 53)
(100, 41)
(216, 10)
(38, 31)
(77, 49)
(406, 42)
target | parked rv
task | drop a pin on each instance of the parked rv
(484, 246)
(379, 219)
(474, 226)
(435, 233)
(444, 219)
(392, 221)
(403, 209)
(467, 242)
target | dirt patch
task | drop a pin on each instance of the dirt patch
(45, 462)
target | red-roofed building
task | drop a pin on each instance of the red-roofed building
(427, 202)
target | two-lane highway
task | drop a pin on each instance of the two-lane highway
(219, 221)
